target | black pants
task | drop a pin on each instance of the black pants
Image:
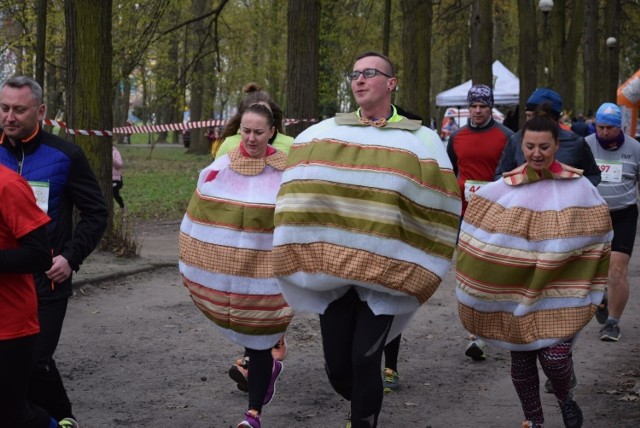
(46, 389)
(260, 368)
(16, 361)
(353, 339)
(391, 352)
(117, 185)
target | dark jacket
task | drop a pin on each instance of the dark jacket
(64, 166)
(573, 151)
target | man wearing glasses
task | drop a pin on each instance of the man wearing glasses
(366, 222)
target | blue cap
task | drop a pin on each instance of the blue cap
(542, 96)
(609, 114)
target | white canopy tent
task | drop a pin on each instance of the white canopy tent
(506, 89)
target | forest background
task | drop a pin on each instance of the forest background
(104, 61)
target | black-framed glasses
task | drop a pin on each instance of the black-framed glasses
(368, 73)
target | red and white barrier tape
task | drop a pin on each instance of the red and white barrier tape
(77, 131)
(154, 128)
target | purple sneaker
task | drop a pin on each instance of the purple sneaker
(271, 391)
(251, 420)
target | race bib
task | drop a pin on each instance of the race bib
(610, 171)
(471, 187)
(41, 192)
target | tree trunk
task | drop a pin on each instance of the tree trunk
(528, 56)
(303, 19)
(611, 29)
(197, 85)
(481, 42)
(386, 28)
(416, 63)
(41, 37)
(591, 63)
(564, 49)
(89, 92)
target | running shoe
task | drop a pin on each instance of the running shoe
(548, 388)
(390, 380)
(475, 349)
(68, 423)
(571, 413)
(610, 332)
(279, 352)
(529, 424)
(602, 313)
(251, 420)
(239, 372)
(271, 391)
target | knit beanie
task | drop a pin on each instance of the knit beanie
(480, 94)
(609, 114)
(542, 96)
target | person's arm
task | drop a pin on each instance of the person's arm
(86, 196)
(117, 159)
(452, 155)
(588, 163)
(507, 158)
(32, 256)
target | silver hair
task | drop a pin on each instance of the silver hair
(21, 82)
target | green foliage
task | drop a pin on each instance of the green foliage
(158, 184)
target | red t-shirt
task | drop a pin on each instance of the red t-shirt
(19, 215)
(477, 153)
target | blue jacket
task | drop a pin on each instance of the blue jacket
(64, 166)
(573, 151)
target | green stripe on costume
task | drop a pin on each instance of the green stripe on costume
(233, 214)
(340, 154)
(368, 211)
(490, 279)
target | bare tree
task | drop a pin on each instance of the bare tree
(612, 29)
(89, 91)
(481, 42)
(199, 34)
(528, 51)
(566, 38)
(590, 58)
(303, 18)
(41, 37)
(416, 62)
(386, 28)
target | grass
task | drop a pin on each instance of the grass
(158, 184)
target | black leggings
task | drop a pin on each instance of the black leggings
(353, 339)
(260, 368)
(391, 352)
(117, 185)
(46, 388)
(16, 361)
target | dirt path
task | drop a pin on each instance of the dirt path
(137, 353)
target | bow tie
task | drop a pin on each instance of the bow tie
(379, 123)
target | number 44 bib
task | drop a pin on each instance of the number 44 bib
(471, 187)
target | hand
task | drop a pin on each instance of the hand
(60, 270)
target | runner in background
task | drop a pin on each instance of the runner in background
(618, 156)
(474, 151)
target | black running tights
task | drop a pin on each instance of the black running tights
(260, 368)
(353, 340)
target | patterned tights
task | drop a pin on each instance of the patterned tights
(556, 364)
